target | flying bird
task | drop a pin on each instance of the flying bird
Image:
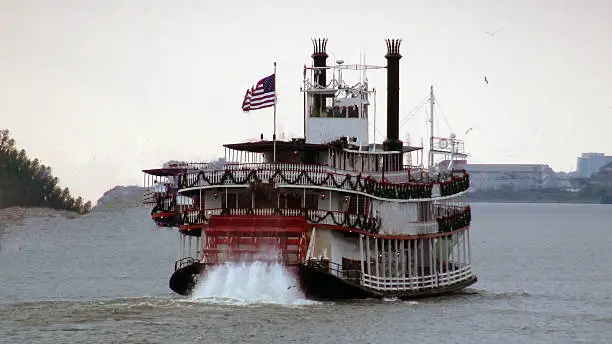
(485, 79)
(493, 33)
(467, 131)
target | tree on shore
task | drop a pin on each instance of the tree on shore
(28, 183)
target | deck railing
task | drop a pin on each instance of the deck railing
(326, 217)
(417, 282)
(353, 276)
(396, 283)
(314, 175)
(447, 220)
(414, 173)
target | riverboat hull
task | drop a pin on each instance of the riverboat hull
(318, 284)
(165, 219)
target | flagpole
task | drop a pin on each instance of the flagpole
(274, 135)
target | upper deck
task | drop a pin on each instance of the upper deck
(342, 154)
(405, 185)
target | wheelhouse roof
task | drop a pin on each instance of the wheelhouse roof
(164, 172)
(300, 146)
(281, 146)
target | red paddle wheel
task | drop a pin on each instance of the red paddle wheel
(252, 237)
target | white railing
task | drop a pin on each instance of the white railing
(428, 227)
(415, 283)
(319, 177)
(321, 215)
(408, 174)
(318, 216)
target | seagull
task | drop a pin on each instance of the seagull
(291, 286)
(467, 131)
(493, 33)
(485, 79)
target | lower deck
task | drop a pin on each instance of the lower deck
(389, 265)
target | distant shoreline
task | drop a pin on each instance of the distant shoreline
(534, 201)
(532, 196)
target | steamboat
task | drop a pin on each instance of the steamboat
(350, 217)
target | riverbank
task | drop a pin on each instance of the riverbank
(16, 215)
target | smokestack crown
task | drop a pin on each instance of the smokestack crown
(319, 45)
(393, 46)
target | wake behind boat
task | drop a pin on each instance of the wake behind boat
(351, 218)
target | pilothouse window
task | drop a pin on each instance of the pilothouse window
(321, 105)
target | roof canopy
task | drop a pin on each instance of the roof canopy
(281, 146)
(164, 172)
(301, 146)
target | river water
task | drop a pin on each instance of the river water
(545, 276)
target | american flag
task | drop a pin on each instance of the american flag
(261, 95)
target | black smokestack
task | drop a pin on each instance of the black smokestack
(319, 56)
(393, 143)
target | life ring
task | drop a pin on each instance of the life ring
(443, 143)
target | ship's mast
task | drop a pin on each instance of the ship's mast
(274, 134)
(431, 126)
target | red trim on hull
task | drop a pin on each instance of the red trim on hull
(249, 225)
(241, 250)
(255, 231)
(257, 224)
(192, 227)
(257, 221)
(163, 214)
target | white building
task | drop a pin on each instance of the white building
(590, 163)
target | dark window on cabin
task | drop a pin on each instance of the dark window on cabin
(294, 201)
(245, 200)
(309, 157)
(321, 105)
(228, 201)
(340, 111)
(363, 205)
(424, 211)
(329, 102)
(291, 200)
(353, 111)
(357, 205)
(352, 205)
(351, 162)
(351, 268)
(316, 106)
(312, 201)
(265, 196)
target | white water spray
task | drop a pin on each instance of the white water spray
(248, 283)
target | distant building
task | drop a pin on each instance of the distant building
(566, 182)
(487, 177)
(590, 163)
(604, 176)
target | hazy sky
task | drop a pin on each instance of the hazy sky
(100, 90)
